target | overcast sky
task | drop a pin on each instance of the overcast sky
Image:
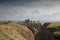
(42, 10)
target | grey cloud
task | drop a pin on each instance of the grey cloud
(35, 10)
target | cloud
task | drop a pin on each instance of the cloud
(37, 10)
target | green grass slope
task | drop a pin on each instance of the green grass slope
(53, 25)
(56, 26)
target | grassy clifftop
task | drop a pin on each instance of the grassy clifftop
(53, 25)
(13, 31)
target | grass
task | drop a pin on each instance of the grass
(57, 33)
(54, 25)
(13, 31)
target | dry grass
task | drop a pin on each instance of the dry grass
(13, 31)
